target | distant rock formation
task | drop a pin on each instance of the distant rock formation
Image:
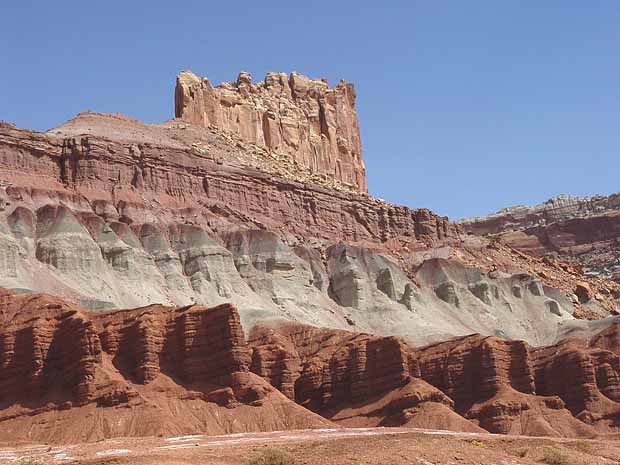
(559, 208)
(313, 124)
(581, 230)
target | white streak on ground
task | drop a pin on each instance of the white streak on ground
(113, 452)
(185, 438)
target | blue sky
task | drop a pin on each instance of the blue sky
(465, 107)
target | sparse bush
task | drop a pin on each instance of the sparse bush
(553, 456)
(271, 457)
(583, 446)
(522, 452)
(479, 444)
(27, 461)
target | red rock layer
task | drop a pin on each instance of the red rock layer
(152, 370)
(67, 374)
(124, 178)
(352, 379)
(321, 367)
(503, 386)
(192, 343)
(316, 126)
(57, 349)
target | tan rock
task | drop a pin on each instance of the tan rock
(303, 119)
(583, 291)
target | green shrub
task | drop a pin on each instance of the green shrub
(521, 452)
(583, 446)
(479, 444)
(553, 456)
(271, 457)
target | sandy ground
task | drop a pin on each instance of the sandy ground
(350, 446)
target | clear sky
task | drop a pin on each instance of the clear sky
(465, 106)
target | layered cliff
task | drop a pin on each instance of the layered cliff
(584, 231)
(111, 213)
(502, 386)
(315, 126)
(69, 375)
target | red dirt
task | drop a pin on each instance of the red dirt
(372, 446)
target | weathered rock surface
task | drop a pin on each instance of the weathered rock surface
(110, 213)
(124, 214)
(314, 125)
(68, 375)
(583, 231)
(503, 386)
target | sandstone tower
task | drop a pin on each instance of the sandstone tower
(304, 119)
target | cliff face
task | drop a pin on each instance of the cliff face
(312, 124)
(584, 231)
(113, 213)
(502, 386)
(143, 372)
(67, 375)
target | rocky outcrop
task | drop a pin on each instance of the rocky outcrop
(67, 374)
(503, 386)
(560, 208)
(179, 214)
(149, 218)
(136, 173)
(508, 387)
(350, 378)
(583, 231)
(314, 125)
(111, 213)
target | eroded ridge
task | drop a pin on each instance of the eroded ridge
(68, 374)
(503, 386)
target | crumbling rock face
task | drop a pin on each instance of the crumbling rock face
(312, 124)
(114, 256)
(67, 374)
(503, 386)
(277, 273)
(220, 183)
(583, 231)
(350, 378)
(263, 244)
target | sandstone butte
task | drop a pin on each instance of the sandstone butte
(313, 125)
(271, 292)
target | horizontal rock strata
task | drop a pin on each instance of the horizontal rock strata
(503, 386)
(69, 375)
